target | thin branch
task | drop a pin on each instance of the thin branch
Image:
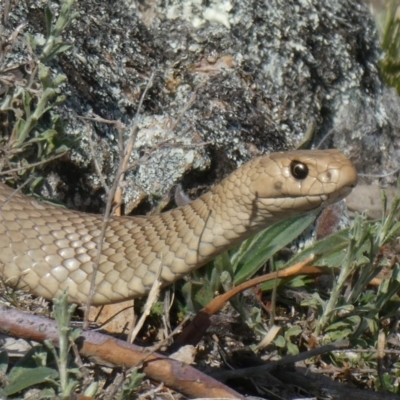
(107, 350)
(95, 161)
(151, 299)
(290, 359)
(9, 171)
(110, 200)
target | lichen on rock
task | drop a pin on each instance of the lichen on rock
(232, 79)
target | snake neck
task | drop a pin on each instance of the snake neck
(212, 224)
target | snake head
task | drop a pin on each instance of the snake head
(299, 181)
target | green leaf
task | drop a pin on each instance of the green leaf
(48, 393)
(293, 331)
(253, 255)
(292, 348)
(59, 49)
(33, 358)
(270, 285)
(3, 362)
(314, 301)
(29, 377)
(280, 341)
(31, 40)
(133, 383)
(49, 20)
(338, 335)
(47, 135)
(337, 325)
(388, 289)
(372, 325)
(329, 252)
(350, 323)
(92, 389)
(44, 75)
(223, 263)
(204, 295)
(27, 99)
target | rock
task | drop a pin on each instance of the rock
(232, 79)
(368, 199)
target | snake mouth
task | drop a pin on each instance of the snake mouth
(345, 191)
(334, 197)
(296, 205)
(337, 195)
(318, 201)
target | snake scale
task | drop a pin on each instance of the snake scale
(47, 249)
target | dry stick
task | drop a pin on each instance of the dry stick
(169, 298)
(129, 147)
(6, 11)
(290, 359)
(112, 390)
(96, 163)
(274, 295)
(380, 175)
(16, 191)
(87, 376)
(165, 341)
(300, 268)
(380, 357)
(110, 199)
(331, 132)
(118, 124)
(193, 332)
(187, 106)
(99, 326)
(151, 299)
(150, 394)
(9, 171)
(109, 351)
(324, 387)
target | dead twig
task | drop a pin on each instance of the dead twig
(106, 350)
(110, 200)
(33, 165)
(290, 359)
(193, 333)
(151, 299)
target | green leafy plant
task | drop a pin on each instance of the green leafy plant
(54, 44)
(131, 385)
(43, 365)
(240, 264)
(30, 370)
(353, 310)
(67, 374)
(32, 131)
(389, 23)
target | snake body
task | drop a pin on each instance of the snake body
(48, 249)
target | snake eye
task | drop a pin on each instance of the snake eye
(298, 170)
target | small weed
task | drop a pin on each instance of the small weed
(43, 365)
(32, 130)
(354, 309)
(389, 24)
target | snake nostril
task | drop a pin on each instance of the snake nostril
(298, 170)
(278, 185)
(329, 176)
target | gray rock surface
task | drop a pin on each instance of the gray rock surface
(232, 79)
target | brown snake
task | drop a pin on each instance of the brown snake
(48, 249)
